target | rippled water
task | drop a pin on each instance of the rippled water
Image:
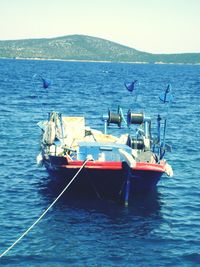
(155, 230)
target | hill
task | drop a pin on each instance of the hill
(81, 47)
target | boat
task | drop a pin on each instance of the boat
(113, 166)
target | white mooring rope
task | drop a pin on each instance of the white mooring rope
(28, 230)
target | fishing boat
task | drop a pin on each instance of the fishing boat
(112, 166)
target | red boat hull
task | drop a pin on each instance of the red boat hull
(106, 179)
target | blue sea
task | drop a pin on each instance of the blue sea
(161, 228)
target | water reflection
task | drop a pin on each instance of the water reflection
(140, 218)
(51, 187)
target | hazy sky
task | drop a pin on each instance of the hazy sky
(157, 26)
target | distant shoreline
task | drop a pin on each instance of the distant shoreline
(83, 48)
(99, 61)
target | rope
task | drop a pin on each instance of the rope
(28, 230)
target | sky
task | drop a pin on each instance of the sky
(156, 26)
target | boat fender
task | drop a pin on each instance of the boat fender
(39, 159)
(168, 170)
